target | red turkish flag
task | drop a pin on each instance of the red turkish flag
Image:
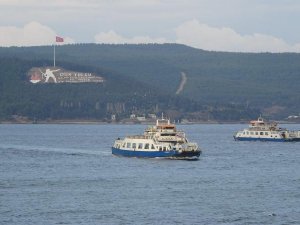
(59, 39)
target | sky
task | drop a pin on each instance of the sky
(214, 25)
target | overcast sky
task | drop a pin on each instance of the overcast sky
(221, 25)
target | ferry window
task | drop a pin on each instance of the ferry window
(140, 146)
(147, 146)
(124, 145)
(152, 146)
(160, 148)
(134, 145)
(167, 134)
(256, 133)
(247, 132)
(266, 133)
(128, 145)
(251, 132)
(243, 132)
(165, 149)
(261, 133)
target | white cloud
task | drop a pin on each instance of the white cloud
(192, 33)
(111, 37)
(203, 36)
(32, 34)
(155, 18)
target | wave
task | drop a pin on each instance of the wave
(68, 151)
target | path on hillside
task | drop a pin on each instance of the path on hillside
(182, 83)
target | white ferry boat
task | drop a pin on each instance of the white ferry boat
(160, 141)
(259, 130)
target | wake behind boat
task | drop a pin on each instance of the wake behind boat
(259, 130)
(160, 141)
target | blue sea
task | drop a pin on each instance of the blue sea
(65, 174)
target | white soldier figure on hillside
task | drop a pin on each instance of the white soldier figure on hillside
(49, 74)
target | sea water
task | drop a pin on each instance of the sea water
(66, 174)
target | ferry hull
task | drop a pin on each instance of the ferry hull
(265, 139)
(157, 154)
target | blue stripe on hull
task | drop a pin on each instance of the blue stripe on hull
(154, 154)
(260, 139)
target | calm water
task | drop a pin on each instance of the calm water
(65, 174)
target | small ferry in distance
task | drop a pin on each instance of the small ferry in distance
(160, 141)
(259, 130)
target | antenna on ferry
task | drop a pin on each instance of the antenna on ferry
(162, 115)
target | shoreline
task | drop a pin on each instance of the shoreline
(98, 122)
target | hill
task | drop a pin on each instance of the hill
(216, 82)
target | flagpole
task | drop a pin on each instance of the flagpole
(57, 39)
(54, 56)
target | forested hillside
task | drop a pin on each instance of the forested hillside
(117, 95)
(144, 78)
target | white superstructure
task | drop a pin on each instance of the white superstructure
(161, 140)
(261, 130)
